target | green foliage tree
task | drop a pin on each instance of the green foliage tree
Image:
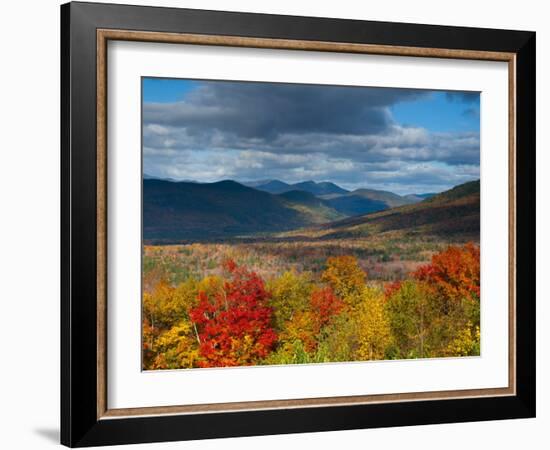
(340, 338)
(412, 313)
(290, 295)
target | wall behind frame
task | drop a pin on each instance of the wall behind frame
(29, 186)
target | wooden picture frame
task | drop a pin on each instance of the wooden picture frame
(86, 419)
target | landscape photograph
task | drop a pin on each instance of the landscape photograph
(304, 224)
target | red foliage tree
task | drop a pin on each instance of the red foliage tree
(325, 305)
(391, 288)
(234, 326)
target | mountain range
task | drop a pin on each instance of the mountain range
(187, 210)
(451, 213)
(348, 203)
(279, 187)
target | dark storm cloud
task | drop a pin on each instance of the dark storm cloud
(249, 131)
(261, 110)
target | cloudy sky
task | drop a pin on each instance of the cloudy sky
(402, 140)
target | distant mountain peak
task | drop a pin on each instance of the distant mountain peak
(146, 176)
(227, 182)
(274, 186)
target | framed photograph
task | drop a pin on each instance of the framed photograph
(276, 224)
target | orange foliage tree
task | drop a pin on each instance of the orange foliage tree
(454, 273)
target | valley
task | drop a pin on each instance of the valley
(197, 227)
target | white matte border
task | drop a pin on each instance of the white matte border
(129, 387)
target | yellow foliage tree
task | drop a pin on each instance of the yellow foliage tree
(373, 326)
(302, 327)
(345, 277)
(211, 285)
(165, 305)
(176, 348)
(466, 343)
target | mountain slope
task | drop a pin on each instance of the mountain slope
(460, 191)
(175, 211)
(317, 210)
(355, 205)
(271, 186)
(322, 188)
(365, 201)
(419, 197)
(450, 213)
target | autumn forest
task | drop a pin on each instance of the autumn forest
(238, 318)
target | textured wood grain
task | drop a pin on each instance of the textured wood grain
(101, 225)
(512, 223)
(238, 41)
(102, 37)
